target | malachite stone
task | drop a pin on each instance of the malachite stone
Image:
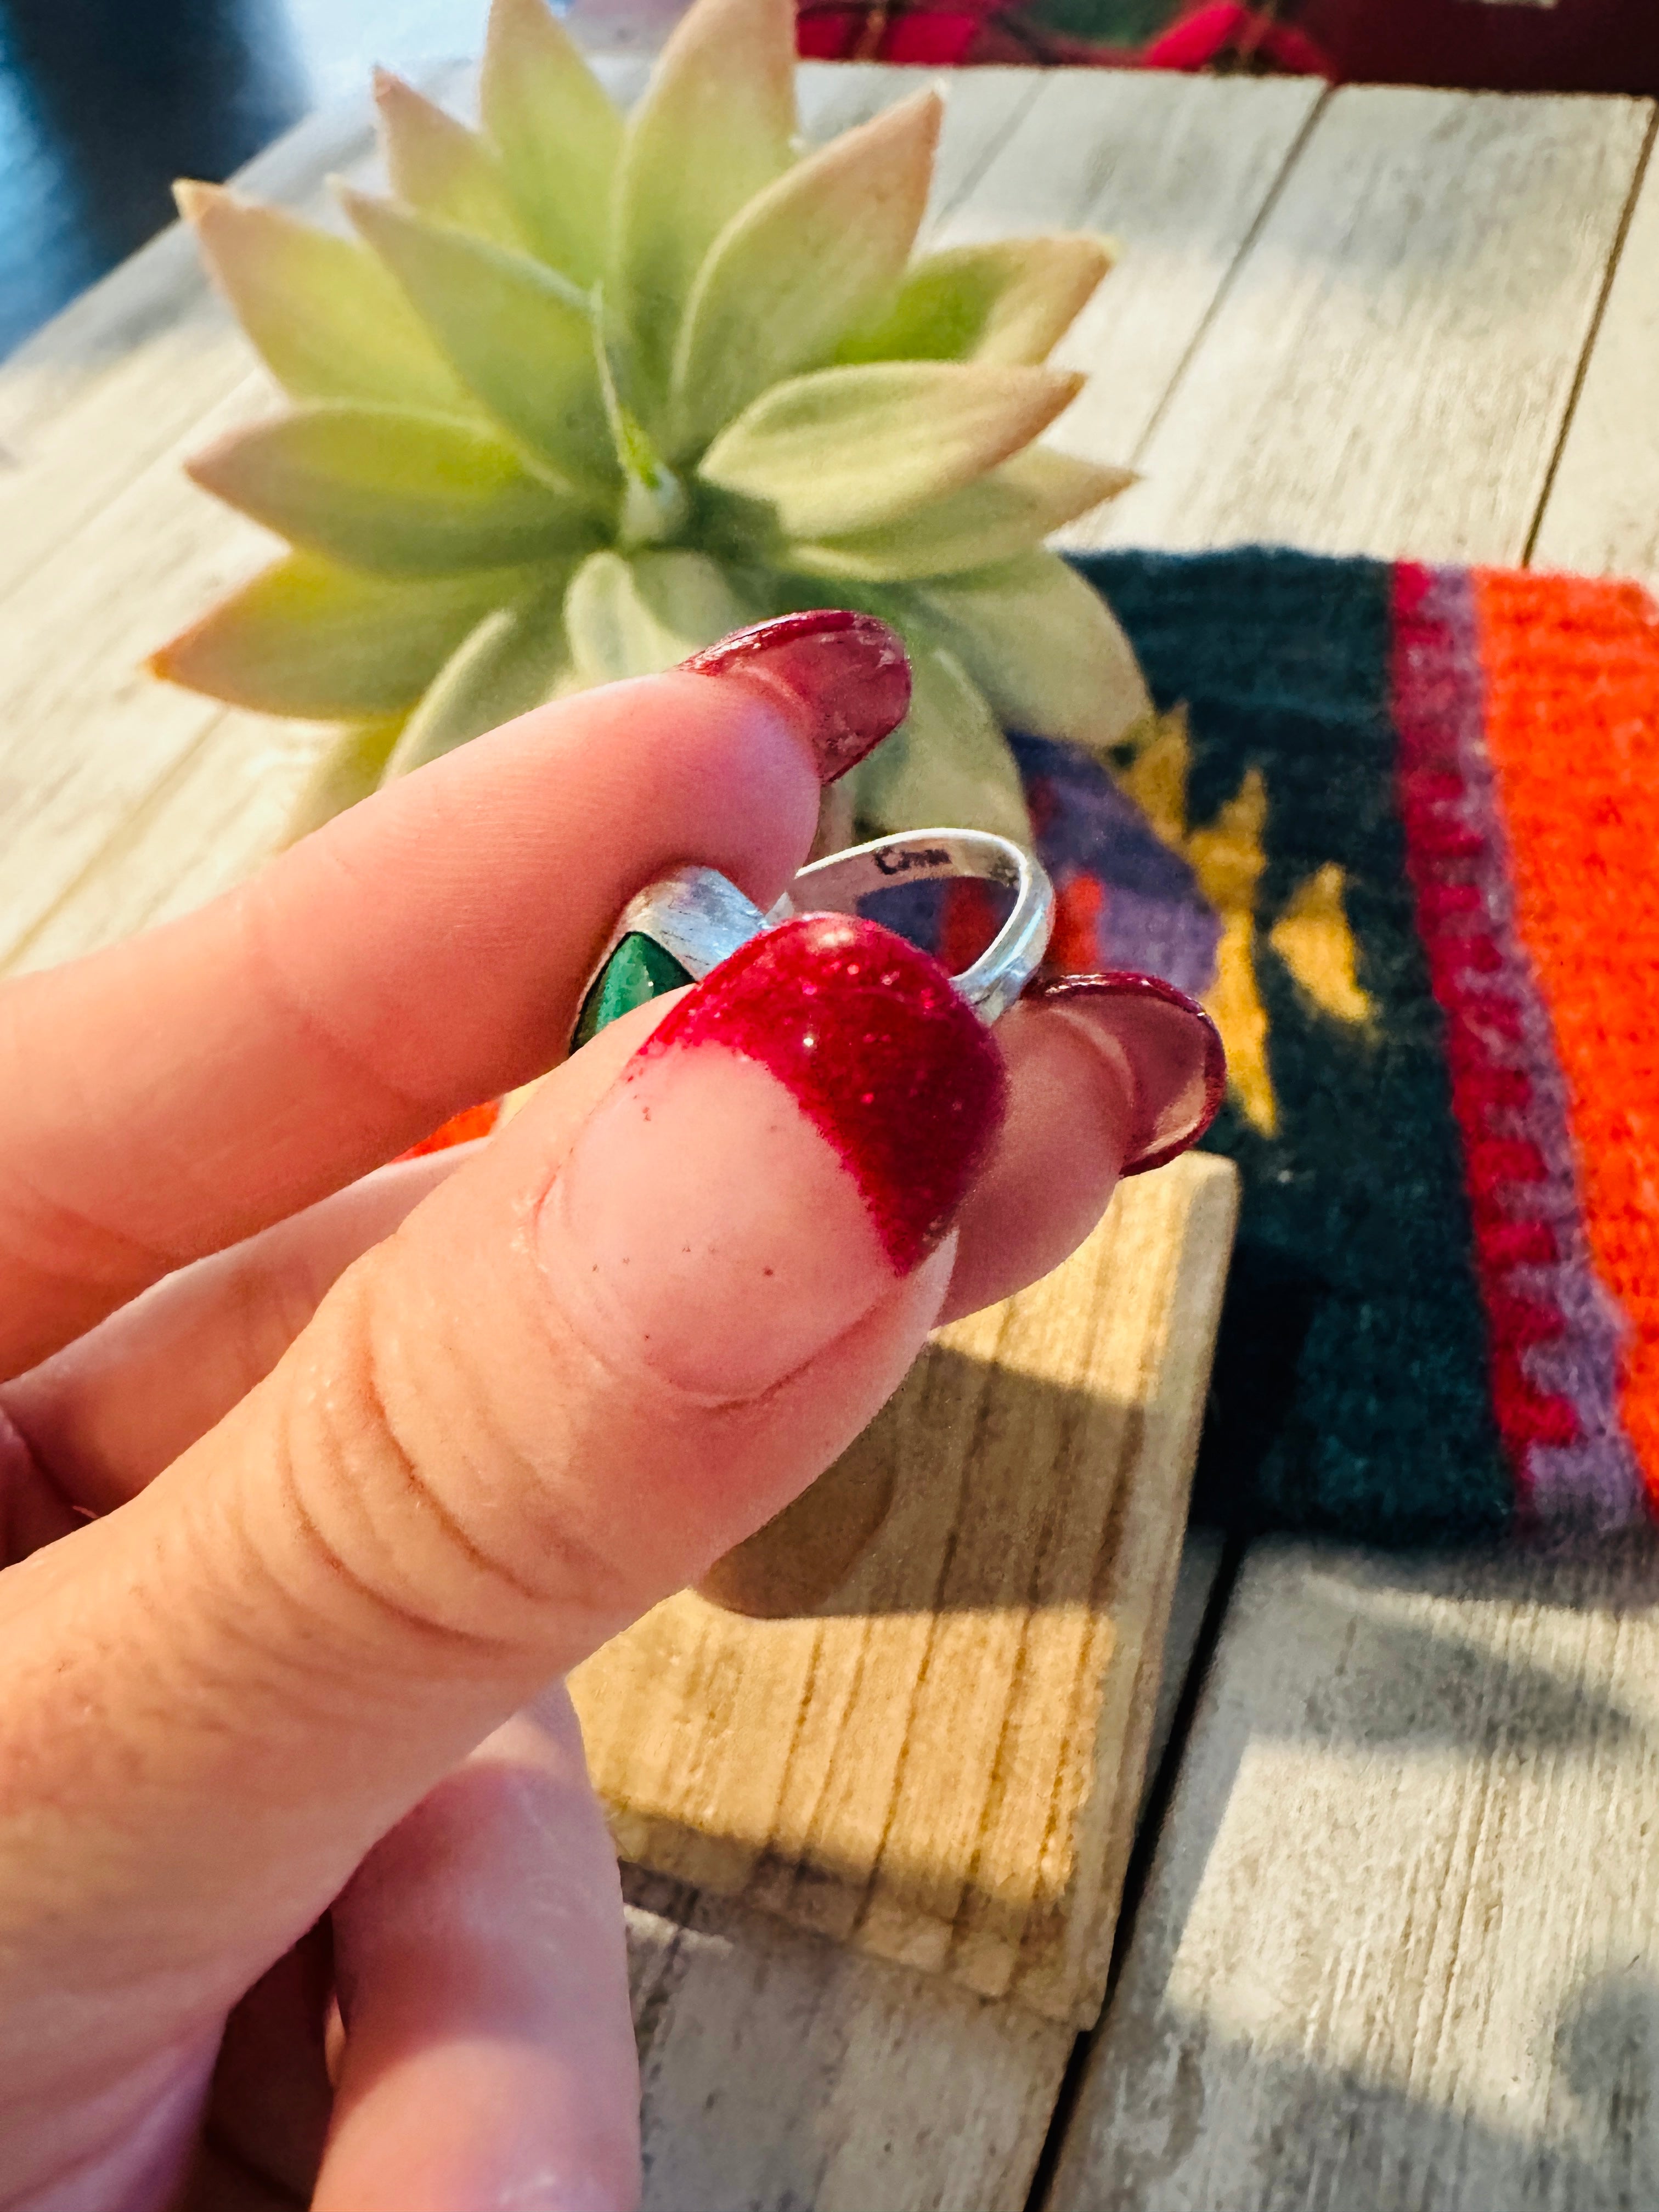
(638, 971)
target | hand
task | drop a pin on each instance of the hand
(316, 1473)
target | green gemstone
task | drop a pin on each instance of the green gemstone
(638, 971)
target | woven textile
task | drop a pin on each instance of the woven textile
(1422, 808)
(1399, 828)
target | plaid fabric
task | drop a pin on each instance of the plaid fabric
(1517, 45)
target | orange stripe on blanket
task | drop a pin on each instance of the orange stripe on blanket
(463, 1128)
(1572, 730)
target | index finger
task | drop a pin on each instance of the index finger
(171, 1095)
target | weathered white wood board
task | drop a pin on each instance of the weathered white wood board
(1391, 367)
(1601, 516)
(941, 1762)
(1177, 170)
(781, 2071)
(1401, 1948)
(130, 368)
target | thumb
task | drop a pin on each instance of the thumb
(596, 1358)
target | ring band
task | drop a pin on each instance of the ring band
(676, 930)
(1008, 962)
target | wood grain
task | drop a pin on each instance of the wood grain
(1401, 1944)
(781, 2071)
(130, 369)
(1392, 366)
(941, 1763)
(1176, 170)
(1601, 517)
(1399, 1951)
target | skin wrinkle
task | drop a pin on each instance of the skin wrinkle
(15, 1082)
(136, 1262)
(267, 1768)
(380, 1604)
(415, 1484)
(394, 1470)
(257, 930)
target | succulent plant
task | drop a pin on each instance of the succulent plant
(585, 394)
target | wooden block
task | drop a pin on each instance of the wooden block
(939, 1763)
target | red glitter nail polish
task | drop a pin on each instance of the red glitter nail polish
(884, 1058)
(848, 670)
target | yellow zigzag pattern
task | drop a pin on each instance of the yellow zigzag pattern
(1311, 936)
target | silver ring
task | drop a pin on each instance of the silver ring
(995, 980)
(699, 919)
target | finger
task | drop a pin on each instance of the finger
(271, 2100)
(427, 950)
(602, 1352)
(114, 1407)
(106, 1413)
(1090, 1076)
(1109, 1075)
(483, 1975)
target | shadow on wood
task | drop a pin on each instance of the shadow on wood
(939, 1762)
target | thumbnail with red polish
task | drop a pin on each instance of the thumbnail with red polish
(849, 671)
(884, 1058)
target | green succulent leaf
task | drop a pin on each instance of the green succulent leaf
(585, 395)
(557, 134)
(639, 615)
(946, 764)
(821, 249)
(715, 126)
(519, 335)
(325, 319)
(305, 637)
(1009, 299)
(857, 449)
(1007, 512)
(1040, 643)
(348, 769)
(397, 494)
(441, 168)
(516, 659)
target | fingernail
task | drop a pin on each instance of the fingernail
(794, 1138)
(849, 671)
(1170, 1046)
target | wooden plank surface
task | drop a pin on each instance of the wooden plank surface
(1401, 1945)
(1399, 1949)
(779, 2071)
(1392, 365)
(940, 1763)
(1601, 517)
(1177, 171)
